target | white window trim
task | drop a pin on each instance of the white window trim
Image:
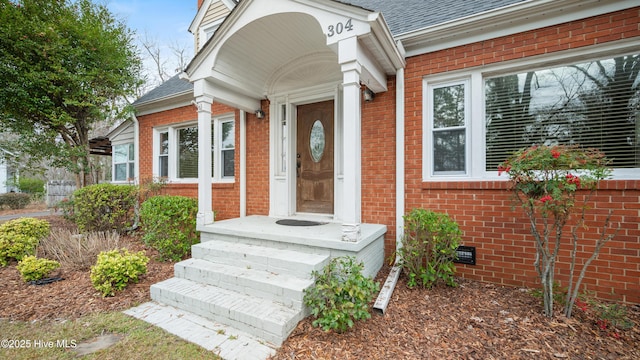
(172, 131)
(428, 152)
(218, 121)
(476, 143)
(208, 29)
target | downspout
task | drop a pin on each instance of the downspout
(136, 171)
(136, 149)
(243, 163)
(387, 289)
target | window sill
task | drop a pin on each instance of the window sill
(496, 184)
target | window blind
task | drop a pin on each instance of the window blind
(592, 104)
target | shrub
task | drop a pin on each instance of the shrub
(115, 269)
(32, 186)
(169, 224)
(77, 251)
(545, 181)
(32, 268)
(429, 248)
(340, 295)
(15, 201)
(19, 238)
(104, 207)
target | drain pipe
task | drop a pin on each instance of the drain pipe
(384, 297)
(243, 163)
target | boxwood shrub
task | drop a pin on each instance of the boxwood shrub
(15, 201)
(32, 268)
(105, 207)
(169, 225)
(20, 237)
(115, 269)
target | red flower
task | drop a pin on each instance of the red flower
(572, 179)
(502, 169)
(555, 154)
(581, 305)
(545, 198)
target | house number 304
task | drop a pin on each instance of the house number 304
(339, 28)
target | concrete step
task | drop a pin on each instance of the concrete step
(223, 340)
(281, 288)
(262, 318)
(277, 261)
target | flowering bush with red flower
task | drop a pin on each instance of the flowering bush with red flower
(545, 181)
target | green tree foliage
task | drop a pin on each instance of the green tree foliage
(64, 66)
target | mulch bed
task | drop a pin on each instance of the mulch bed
(473, 321)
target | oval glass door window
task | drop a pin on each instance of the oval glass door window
(317, 141)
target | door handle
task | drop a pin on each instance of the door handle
(298, 165)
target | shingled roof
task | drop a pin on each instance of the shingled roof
(404, 16)
(172, 87)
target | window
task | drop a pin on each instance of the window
(448, 118)
(177, 151)
(187, 163)
(595, 104)
(163, 158)
(472, 125)
(123, 162)
(225, 153)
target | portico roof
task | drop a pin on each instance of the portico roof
(269, 46)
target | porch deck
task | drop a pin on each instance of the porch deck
(325, 239)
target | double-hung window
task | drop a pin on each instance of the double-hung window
(448, 110)
(223, 148)
(176, 151)
(123, 162)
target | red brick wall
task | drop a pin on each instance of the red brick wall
(378, 162)
(258, 163)
(483, 209)
(225, 197)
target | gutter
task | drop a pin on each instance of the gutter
(384, 297)
(136, 147)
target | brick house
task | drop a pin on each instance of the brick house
(354, 112)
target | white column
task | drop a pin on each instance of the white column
(205, 211)
(351, 70)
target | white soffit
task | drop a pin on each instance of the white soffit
(274, 45)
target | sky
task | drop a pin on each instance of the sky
(166, 22)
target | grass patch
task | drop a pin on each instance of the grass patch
(140, 340)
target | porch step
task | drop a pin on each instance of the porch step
(281, 288)
(259, 317)
(227, 342)
(258, 257)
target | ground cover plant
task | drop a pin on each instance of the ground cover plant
(340, 294)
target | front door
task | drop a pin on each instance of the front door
(314, 173)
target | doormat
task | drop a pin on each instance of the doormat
(292, 222)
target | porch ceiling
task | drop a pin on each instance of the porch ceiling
(266, 50)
